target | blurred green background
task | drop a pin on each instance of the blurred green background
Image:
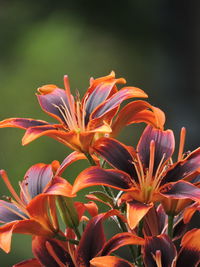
(153, 44)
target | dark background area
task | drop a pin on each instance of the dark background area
(153, 44)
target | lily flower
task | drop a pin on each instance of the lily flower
(55, 253)
(158, 251)
(147, 174)
(81, 122)
(34, 211)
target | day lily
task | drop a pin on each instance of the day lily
(55, 253)
(81, 122)
(158, 251)
(34, 211)
(147, 174)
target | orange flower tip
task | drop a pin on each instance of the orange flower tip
(46, 89)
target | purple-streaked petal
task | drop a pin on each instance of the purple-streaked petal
(48, 103)
(121, 240)
(42, 247)
(184, 168)
(164, 145)
(116, 154)
(181, 190)
(97, 176)
(74, 156)
(22, 123)
(91, 242)
(9, 212)
(116, 99)
(35, 181)
(98, 93)
(156, 247)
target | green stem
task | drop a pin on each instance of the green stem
(124, 229)
(140, 234)
(170, 225)
(90, 159)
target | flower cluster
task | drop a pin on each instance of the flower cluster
(147, 191)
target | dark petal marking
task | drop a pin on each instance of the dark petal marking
(36, 179)
(48, 102)
(97, 176)
(164, 145)
(7, 215)
(160, 243)
(43, 255)
(116, 154)
(117, 99)
(181, 190)
(120, 240)
(92, 241)
(184, 168)
(98, 95)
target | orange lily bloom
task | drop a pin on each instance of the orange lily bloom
(34, 212)
(81, 122)
(157, 251)
(51, 252)
(148, 174)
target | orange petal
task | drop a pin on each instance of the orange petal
(136, 211)
(111, 261)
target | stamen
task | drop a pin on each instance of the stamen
(53, 254)
(65, 116)
(70, 115)
(69, 97)
(9, 186)
(182, 143)
(151, 162)
(84, 112)
(78, 114)
(159, 167)
(157, 258)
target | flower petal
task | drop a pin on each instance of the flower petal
(40, 247)
(28, 226)
(138, 111)
(97, 176)
(116, 154)
(189, 211)
(136, 211)
(184, 168)
(159, 248)
(116, 99)
(98, 92)
(33, 133)
(189, 254)
(111, 261)
(35, 180)
(93, 238)
(28, 263)
(22, 123)
(164, 145)
(181, 190)
(59, 187)
(51, 101)
(9, 212)
(74, 156)
(119, 241)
